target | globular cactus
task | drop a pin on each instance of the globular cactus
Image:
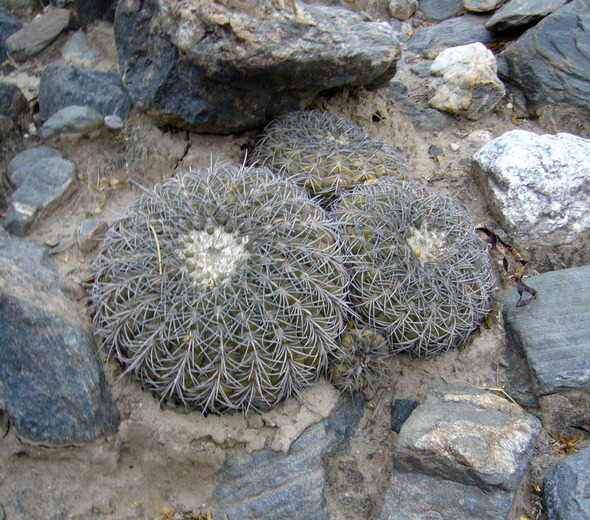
(363, 361)
(326, 154)
(420, 274)
(224, 289)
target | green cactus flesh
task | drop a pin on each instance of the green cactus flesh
(420, 274)
(224, 289)
(326, 154)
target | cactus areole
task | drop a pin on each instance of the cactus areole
(224, 289)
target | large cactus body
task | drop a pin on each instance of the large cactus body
(326, 154)
(224, 289)
(420, 274)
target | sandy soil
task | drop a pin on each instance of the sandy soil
(164, 456)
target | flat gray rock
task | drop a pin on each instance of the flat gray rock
(550, 63)
(418, 496)
(429, 41)
(47, 183)
(553, 332)
(38, 34)
(72, 119)
(22, 164)
(566, 488)
(51, 383)
(521, 13)
(224, 68)
(273, 486)
(63, 85)
(439, 10)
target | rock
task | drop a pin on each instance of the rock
(225, 68)
(6, 125)
(72, 119)
(482, 6)
(467, 83)
(25, 162)
(38, 34)
(566, 488)
(76, 51)
(273, 486)
(469, 436)
(552, 332)
(12, 101)
(400, 411)
(429, 41)
(439, 10)
(460, 455)
(90, 10)
(42, 187)
(550, 63)
(537, 186)
(51, 382)
(8, 26)
(63, 85)
(402, 9)
(521, 13)
(88, 234)
(480, 138)
(565, 118)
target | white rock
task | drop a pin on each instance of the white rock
(537, 186)
(467, 83)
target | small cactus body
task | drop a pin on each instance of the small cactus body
(363, 362)
(420, 274)
(326, 154)
(224, 289)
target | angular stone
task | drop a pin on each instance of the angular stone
(439, 10)
(482, 6)
(88, 233)
(225, 68)
(8, 26)
(468, 436)
(468, 84)
(47, 184)
(553, 332)
(273, 486)
(521, 13)
(81, 120)
(63, 85)
(24, 163)
(400, 411)
(429, 41)
(402, 9)
(51, 382)
(567, 488)
(537, 186)
(38, 34)
(12, 101)
(550, 63)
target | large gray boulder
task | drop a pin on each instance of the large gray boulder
(223, 68)
(550, 63)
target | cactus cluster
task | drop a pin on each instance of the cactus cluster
(224, 289)
(419, 273)
(326, 154)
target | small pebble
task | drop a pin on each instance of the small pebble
(435, 151)
(454, 146)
